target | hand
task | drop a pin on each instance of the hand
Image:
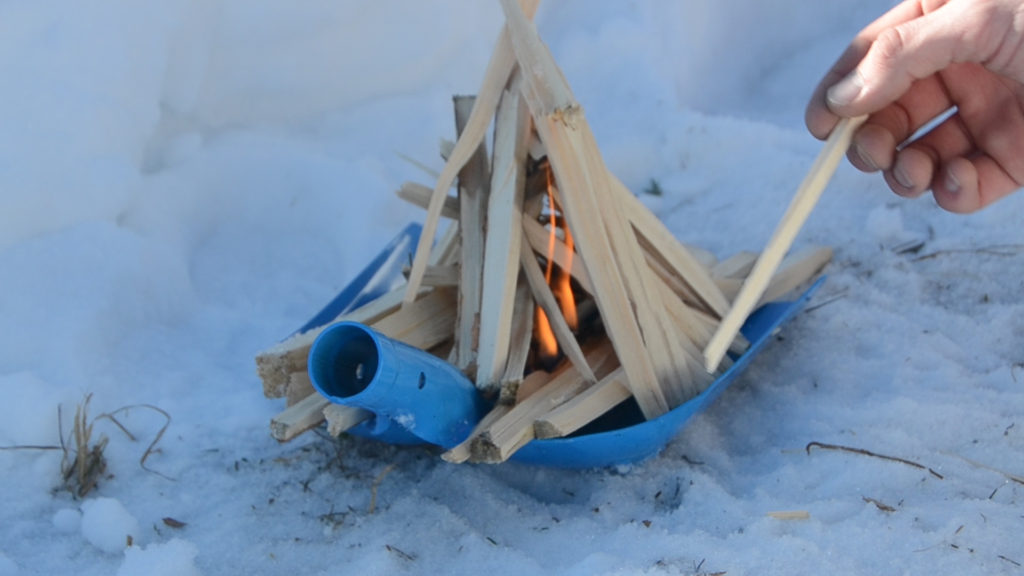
(922, 58)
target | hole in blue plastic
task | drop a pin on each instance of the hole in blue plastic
(344, 362)
(423, 380)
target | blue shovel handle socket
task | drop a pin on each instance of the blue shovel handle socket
(412, 394)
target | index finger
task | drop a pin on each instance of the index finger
(820, 119)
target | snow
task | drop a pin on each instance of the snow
(67, 520)
(107, 525)
(174, 558)
(184, 183)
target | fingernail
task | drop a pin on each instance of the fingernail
(952, 184)
(902, 177)
(868, 162)
(846, 90)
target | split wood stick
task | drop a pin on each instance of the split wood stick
(670, 278)
(299, 386)
(738, 265)
(424, 324)
(340, 418)
(546, 300)
(474, 187)
(420, 165)
(521, 337)
(298, 418)
(679, 259)
(532, 383)
(495, 79)
(537, 149)
(580, 172)
(540, 238)
(446, 253)
(512, 431)
(419, 195)
(704, 256)
(796, 214)
(739, 345)
(441, 276)
(795, 270)
(696, 333)
(462, 453)
(503, 239)
(588, 406)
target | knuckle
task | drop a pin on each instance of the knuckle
(889, 45)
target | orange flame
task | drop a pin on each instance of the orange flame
(561, 286)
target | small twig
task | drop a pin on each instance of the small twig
(376, 484)
(30, 447)
(1008, 475)
(400, 553)
(878, 504)
(790, 515)
(837, 296)
(152, 445)
(863, 452)
(1014, 562)
(1004, 250)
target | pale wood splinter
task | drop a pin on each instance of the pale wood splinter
(800, 207)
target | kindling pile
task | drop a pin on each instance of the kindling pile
(553, 289)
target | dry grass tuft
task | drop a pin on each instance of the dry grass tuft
(83, 462)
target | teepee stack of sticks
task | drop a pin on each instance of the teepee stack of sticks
(554, 289)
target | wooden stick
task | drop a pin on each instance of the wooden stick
(502, 245)
(796, 269)
(462, 452)
(299, 386)
(519, 347)
(446, 252)
(679, 259)
(738, 265)
(426, 323)
(419, 195)
(799, 209)
(546, 300)
(474, 188)
(341, 418)
(495, 78)
(584, 408)
(539, 237)
(298, 418)
(441, 276)
(512, 431)
(531, 384)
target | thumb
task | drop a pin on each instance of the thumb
(900, 55)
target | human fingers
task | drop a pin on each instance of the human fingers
(820, 119)
(916, 49)
(915, 168)
(968, 185)
(874, 145)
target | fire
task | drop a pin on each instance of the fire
(560, 281)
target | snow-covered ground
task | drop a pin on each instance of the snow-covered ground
(182, 183)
